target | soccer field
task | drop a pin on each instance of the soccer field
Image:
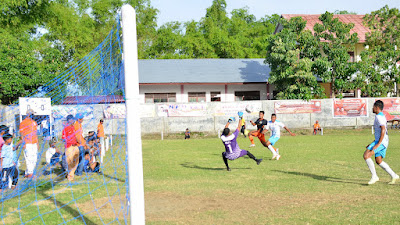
(319, 180)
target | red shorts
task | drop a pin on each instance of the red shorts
(260, 135)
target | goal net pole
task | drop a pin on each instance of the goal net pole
(133, 130)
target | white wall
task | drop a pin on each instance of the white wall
(208, 88)
(262, 88)
(172, 88)
(203, 88)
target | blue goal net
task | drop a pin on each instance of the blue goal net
(65, 161)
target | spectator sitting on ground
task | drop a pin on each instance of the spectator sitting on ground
(187, 133)
(92, 145)
(90, 165)
(317, 127)
(53, 154)
(92, 134)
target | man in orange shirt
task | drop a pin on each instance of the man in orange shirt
(28, 131)
(317, 127)
(100, 134)
(81, 142)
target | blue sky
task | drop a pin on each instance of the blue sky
(186, 10)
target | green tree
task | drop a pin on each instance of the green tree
(194, 44)
(41, 38)
(335, 41)
(379, 60)
(214, 27)
(343, 12)
(18, 71)
(290, 55)
(167, 43)
(248, 34)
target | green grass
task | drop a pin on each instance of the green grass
(319, 180)
(94, 198)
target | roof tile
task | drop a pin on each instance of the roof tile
(358, 28)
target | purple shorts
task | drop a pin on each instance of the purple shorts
(235, 155)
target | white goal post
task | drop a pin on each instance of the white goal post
(133, 131)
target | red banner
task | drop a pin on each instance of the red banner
(391, 108)
(350, 107)
(292, 107)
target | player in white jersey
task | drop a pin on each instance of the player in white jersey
(275, 127)
(379, 146)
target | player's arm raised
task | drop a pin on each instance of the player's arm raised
(229, 122)
(239, 124)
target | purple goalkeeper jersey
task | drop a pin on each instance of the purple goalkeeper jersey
(231, 145)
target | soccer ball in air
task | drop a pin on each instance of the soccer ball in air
(249, 109)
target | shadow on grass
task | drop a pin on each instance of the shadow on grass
(321, 177)
(194, 166)
(113, 178)
(70, 210)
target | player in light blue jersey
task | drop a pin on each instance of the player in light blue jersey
(379, 146)
(275, 127)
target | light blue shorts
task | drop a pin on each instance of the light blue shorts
(380, 151)
(273, 140)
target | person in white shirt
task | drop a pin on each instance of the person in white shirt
(379, 146)
(275, 127)
(53, 154)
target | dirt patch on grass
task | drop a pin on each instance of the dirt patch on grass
(226, 208)
(108, 208)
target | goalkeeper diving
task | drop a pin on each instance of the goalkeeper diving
(232, 150)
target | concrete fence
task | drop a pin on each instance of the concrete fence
(199, 117)
(214, 122)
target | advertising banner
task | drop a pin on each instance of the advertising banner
(293, 107)
(231, 109)
(391, 108)
(350, 108)
(61, 112)
(182, 110)
(115, 112)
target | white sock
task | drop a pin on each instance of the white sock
(371, 167)
(387, 168)
(272, 150)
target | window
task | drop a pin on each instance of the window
(351, 59)
(160, 97)
(215, 96)
(247, 95)
(197, 97)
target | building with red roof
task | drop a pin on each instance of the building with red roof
(358, 28)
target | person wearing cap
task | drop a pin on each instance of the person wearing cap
(28, 131)
(70, 158)
(100, 134)
(81, 142)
